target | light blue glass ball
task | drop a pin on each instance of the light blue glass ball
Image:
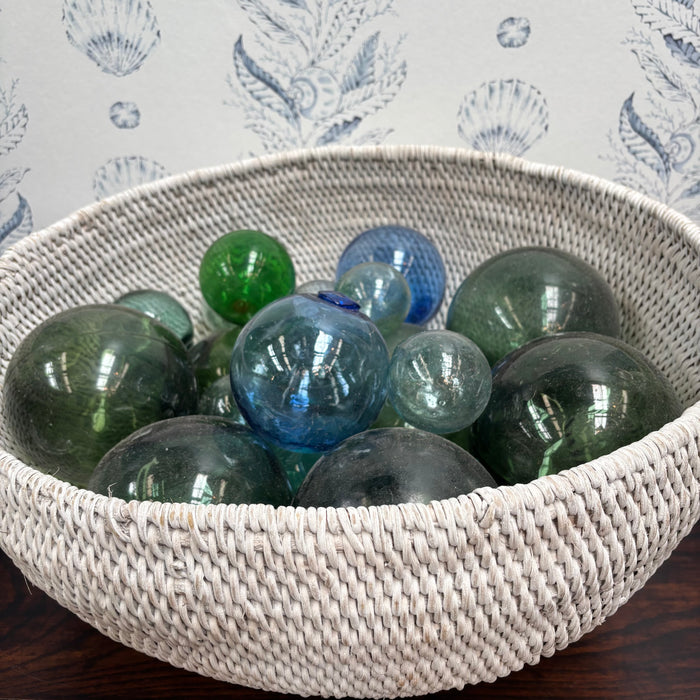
(439, 381)
(308, 371)
(381, 291)
(412, 254)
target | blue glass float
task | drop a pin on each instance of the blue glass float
(389, 466)
(412, 254)
(381, 291)
(439, 381)
(528, 292)
(164, 308)
(86, 378)
(192, 459)
(562, 400)
(307, 371)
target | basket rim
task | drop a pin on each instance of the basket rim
(591, 472)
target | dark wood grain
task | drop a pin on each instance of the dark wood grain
(649, 649)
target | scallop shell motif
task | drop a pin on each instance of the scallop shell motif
(506, 116)
(513, 32)
(316, 93)
(117, 35)
(121, 173)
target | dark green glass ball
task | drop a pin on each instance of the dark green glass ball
(563, 400)
(529, 292)
(192, 459)
(211, 356)
(88, 377)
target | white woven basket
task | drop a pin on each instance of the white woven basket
(386, 601)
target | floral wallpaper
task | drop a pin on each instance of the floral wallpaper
(100, 95)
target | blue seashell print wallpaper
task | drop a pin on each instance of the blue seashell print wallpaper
(123, 92)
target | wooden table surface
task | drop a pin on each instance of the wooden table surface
(649, 649)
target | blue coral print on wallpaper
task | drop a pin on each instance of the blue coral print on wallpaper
(15, 213)
(320, 69)
(117, 36)
(656, 147)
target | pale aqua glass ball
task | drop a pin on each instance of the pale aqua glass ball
(439, 381)
(381, 291)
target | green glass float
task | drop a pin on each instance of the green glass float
(296, 465)
(88, 377)
(242, 271)
(565, 399)
(211, 356)
(164, 308)
(388, 466)
(404, 331)
(217, 400)
(192, 459)
(529, 292)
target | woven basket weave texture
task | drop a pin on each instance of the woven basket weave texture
(387, 601)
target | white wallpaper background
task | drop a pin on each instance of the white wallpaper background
(99, 95)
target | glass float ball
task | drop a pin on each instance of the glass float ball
(242, 271)
(439, 381)
(88, 377)
(211, 356)
(391, 466)
(315, 286)
(217, 400)
(308, 371)
(405, 330)
(412, 254)
(192, 459)
(164, 308)
(525, 293)
(381, 291)
(565, 399)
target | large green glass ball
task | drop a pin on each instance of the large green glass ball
(388, 466)
(88, 377)
(529, 292)
(242, 271)
(192, 459)
(566, 399)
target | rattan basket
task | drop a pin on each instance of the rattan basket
(386, 601)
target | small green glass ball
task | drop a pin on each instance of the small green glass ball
(217, 400)
(563, 400)
(164, 308)
(211, 356)
(242, 271)
(192, 459)
(88, 377)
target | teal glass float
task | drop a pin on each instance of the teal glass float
(217, 400)
(315, 286)
(211, 356)
(192, 459)
(565, 399)
(439, 381)
(164, 308)
(88, 377)
(308, 371)
(295, 465)
(414, 255)
(529, 292)
(381, 291)
(243, 271)
(389, 466)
